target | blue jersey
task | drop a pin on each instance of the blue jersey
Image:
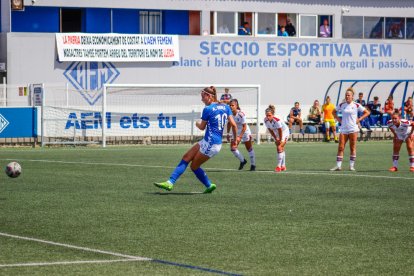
(215, 115)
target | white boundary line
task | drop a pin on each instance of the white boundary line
(326, 173)
(67, 263)
(129, 257)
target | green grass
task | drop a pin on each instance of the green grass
(305, 221)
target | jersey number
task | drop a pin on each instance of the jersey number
(221, 120)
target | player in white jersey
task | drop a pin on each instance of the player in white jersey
(349, 128)
(403, 131)
(243, 135)
(280, 132)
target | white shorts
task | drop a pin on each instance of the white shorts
(347, 131)
(209, 149)
(246, 137)
(285, 135)
(402, 137)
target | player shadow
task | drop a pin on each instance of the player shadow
(3, 198)
(176, 193)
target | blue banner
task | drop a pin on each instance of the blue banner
(18, 122)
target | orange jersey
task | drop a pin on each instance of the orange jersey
(327, 110)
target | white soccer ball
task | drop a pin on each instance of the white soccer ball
(13, 169)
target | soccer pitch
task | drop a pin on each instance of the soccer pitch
(94, 211)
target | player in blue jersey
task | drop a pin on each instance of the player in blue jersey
(213, 120)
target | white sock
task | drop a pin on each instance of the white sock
(279, 159)
(352, 159)
(252, 157)
(395, 160)
(411, 160)
(339, 161)
(284, 159)
(238, 155)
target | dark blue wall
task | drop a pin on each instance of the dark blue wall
(35, 19)
(175, 22)
(97, 20)
(125, 21)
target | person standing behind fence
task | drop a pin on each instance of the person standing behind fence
(226, 97)
(349, 128)
(280, 132)
(364, 122)
(329, 119)
(403, 132)
(213, 120)
(408, 109)
(243, 135)
(388, 110)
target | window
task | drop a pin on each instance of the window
(194, 23)
(225, 23)
(266, 24)
(289, 20)
(395, 27)
(150, 22)
(352, 26)
(71, 20)
(374, 27)
(308, 25)
(245, 20)
(325, 25)
(410, 28)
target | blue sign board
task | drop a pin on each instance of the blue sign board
(18, 122)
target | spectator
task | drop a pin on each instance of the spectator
(325, 29)
(395, 31)
(244, 29)
(226, 97)
(388, 110)
(365, 121)
(329, 119)
(408, 109)
(290, 29)
(315, 113)
(295, 115)
(282, 31)
(376, 112)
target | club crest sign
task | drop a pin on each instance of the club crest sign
(3, 123)
(88, 78)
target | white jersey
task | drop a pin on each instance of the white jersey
(402, 131)
(240, 119)
(275, 124)
(349, 113)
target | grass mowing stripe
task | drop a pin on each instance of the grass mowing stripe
(325, 173)
(68, 263)
(128, 257)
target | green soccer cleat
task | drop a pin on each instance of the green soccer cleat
(210, 189)
(164, 185)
